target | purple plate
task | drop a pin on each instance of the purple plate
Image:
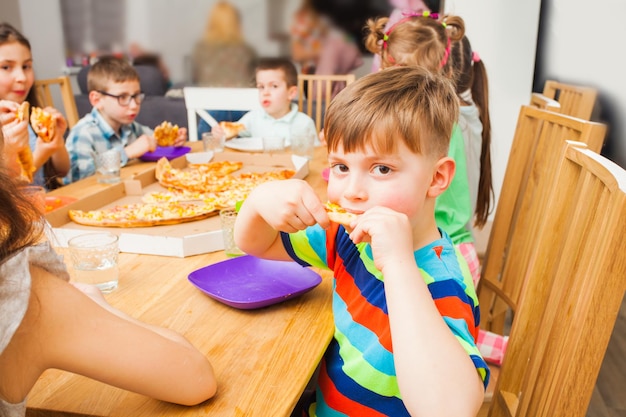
(170, 152)
(248, 282)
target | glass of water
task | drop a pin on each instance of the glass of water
(94, 259)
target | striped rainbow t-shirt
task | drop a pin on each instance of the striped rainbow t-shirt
(357, 375)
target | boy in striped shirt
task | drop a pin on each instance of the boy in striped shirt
(405, 310)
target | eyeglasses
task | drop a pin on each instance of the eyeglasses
(124, 99)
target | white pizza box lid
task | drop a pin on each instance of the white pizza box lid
(179, 240)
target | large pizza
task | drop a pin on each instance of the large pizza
(194, 193)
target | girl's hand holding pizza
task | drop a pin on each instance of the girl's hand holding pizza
(288, 205)
(58, 126)
(14, 129)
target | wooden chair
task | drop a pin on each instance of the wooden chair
(536, 147)
(43, 90)
(318, 91)
(573, 100)
(576, 279)
(200, 99)
(542, 102)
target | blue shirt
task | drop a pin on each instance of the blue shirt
(259, 123)
(91, 136)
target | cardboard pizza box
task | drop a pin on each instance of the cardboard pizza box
(179, 240)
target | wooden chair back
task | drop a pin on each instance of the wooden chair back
(542, 102)
(318, 91)
(539, 138)
(200, 99)
(43, 91)
(576, 279)
(573, 100)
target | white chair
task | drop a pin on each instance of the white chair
(200, 99)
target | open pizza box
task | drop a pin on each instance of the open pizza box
(179, 240)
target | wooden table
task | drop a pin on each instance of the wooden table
(262, 358)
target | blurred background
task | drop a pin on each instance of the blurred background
(521, 43)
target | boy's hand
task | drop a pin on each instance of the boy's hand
(181, 138)
(218, 131)
(388, 232)
(142, 145)
(288, 205)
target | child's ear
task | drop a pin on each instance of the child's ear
(94, 98)
(293, 92)
(442, 176)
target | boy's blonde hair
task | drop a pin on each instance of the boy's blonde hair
(409, 104)
(110, 69)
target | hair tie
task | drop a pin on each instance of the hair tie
(475, 56)
(425, 13)
(446, 54)
(385, 39)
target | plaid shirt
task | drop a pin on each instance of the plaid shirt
(91, 136)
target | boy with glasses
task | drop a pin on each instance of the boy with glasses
(115, 94)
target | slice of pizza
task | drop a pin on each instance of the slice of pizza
(166, 134)
(43, 123)
(25, 156)
(232, 129)
(338, 214)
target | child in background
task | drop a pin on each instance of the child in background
(401, 9)
(116, 97)
(46, 322)
(50, 159)
(439, 45)
(405, 310)
(223, 58)
(277, 81)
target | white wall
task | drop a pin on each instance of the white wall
(584, 45)
(172, 28)
(504, 33)
(44, 30)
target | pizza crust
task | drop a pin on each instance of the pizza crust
(338, 214)
(22, 112)
(130, 215)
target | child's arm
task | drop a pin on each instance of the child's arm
(94, 339)
(431, 365)
(144, 143)
(287, 206)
